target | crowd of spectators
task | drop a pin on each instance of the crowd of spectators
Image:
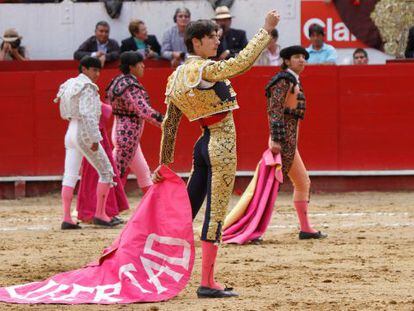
(173, 48)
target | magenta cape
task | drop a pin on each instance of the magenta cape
(250, 217)
(150, 261)
(117, 200)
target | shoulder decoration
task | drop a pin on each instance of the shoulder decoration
(121, 83)
(193, 72)
(279, 76)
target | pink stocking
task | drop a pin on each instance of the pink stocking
(102, 191)
(67, 196)
(302, 211)
(209, 254)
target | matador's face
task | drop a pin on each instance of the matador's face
(92, 73)
(296, 63)
(207, 46)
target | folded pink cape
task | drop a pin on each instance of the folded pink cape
(250, 217)
(117, 200)
(150, 261)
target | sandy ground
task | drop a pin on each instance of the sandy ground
(365, 264)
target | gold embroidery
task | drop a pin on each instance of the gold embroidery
(393, 19)
(185, 86)
(223, 160)
(169, 133)
(227, 69)
(193, 101)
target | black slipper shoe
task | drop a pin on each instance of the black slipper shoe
(103, 223)
(69, 226)
(207, 292)
(308, 235)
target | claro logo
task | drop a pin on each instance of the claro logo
(333, 32)
(325, 15)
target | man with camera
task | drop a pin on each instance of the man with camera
(11, 48)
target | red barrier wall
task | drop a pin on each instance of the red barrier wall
(358, 118)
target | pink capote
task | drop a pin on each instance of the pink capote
(150, 261)
(253, 222)
(117, 200)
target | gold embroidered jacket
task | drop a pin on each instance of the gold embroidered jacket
(200, 88)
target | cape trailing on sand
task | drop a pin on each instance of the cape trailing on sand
(150, 261)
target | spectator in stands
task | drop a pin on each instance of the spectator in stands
(99, 45)
(147, 45)
(173, 47)
(232, 40)
(270, 56)
(360, 57)
(11, 48)
(320, 52)
(409, 51)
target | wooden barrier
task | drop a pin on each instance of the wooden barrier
(357, 118)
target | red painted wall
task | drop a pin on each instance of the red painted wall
(358, 118)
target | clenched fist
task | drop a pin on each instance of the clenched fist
(271, 20)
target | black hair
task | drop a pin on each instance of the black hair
(129, 58)
(360, 50)
(88, 62)
(315, 28)
(283, 66)
(179, 10)
(274, 33)
(198, 29)
(102, 23)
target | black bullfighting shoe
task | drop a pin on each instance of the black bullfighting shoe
(308, 235)
(207, 292)
(68, 226)
(103, 223)
(117, 220)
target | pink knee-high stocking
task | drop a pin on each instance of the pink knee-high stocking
(67, 196)
(302, 211)
(208, 259)
(102, 191)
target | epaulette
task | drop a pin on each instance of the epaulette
(193, 71)
(280, 76)
(122, 83)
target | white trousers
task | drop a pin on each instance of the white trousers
(76, 149)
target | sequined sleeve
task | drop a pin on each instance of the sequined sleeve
(138, 99)
(169, 133)
(89, 104)
(226, 69)
(275, 110)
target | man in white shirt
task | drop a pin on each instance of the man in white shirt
(79, 103)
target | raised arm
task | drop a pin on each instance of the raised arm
(226, 69)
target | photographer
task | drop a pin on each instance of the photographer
(10, 48)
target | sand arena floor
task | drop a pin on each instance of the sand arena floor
(365, 264)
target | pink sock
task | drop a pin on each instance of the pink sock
(302, 211)
(67, 196)
(102, 191)
(209, 254)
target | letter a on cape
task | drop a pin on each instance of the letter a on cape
(150, 261)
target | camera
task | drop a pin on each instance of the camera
(15, 44)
